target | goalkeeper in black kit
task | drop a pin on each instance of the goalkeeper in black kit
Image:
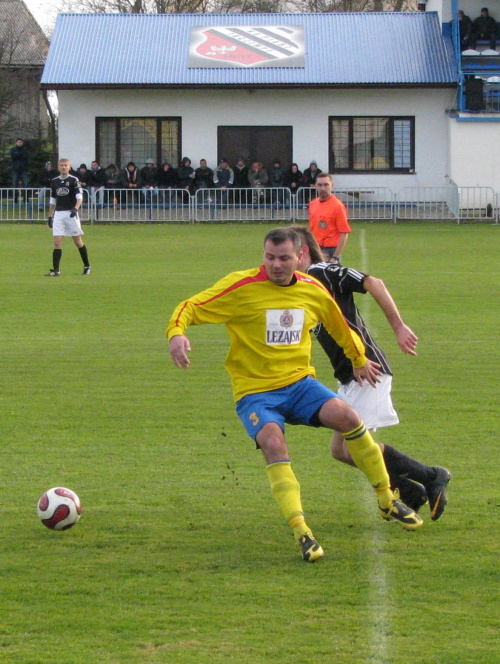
(416, 483)
(65, 201)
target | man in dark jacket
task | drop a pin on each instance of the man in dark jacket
(484, 27)
(20, 156)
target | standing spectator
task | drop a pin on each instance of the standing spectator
(185, 174)
(99, 174)
(112, 180)
(294, 179)
(167, 177)
(203, 176)
(484, 27)
(148, 178)
(19, 155)
(277, 179)
(258, 178)
(311, 173)
(328, 219)
(65, 202)
(85, 177)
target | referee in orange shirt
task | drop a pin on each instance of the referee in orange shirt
(328, 219)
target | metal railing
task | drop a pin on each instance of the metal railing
(142, 205)
(32, 205)
(447, 203)
(242, 205)
(427, 203)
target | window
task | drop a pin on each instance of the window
(120, 140)
(369, 144)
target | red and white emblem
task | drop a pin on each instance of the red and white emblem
(246, 46)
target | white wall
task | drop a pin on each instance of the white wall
(474, 147)
(472, 8)
(306, 110)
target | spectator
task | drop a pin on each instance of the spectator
(311, 173)
(277, 179)
(484, 27)
(19, 155)
(258, 178)
(48, 174)
(167, 177)
(240, 174)
(148, 178)
(129, 180)
(112, 180)
(99, 174)
(85, 177)
(185, 173)
(294, 179)
(465, 30)
(223, 175)
(203, 176)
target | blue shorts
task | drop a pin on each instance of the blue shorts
(298, 403)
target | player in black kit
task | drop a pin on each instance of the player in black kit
(65, 200)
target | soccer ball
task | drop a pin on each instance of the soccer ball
(59, 508)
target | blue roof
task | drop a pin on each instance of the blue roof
(366, 48)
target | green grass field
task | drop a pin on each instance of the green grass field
(181, 555)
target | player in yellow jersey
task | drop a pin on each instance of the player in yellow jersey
(268, 312)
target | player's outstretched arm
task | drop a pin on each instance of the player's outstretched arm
(406, 338)
(179, 347)
(370, 372)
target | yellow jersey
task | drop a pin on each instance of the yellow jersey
(268, 327)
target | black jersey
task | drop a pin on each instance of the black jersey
(342, 282)
(64, 191)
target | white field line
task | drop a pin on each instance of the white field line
(379, 604)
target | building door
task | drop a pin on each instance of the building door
(264, 144)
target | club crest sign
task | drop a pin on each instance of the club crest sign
(247, 46)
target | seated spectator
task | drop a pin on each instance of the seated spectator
(48, 174)
(85, 177)
(148, 178)
(185, 174)
(465, 30)
(167, 177)
(276, 174)
(294, 179)
(129, 180)
(484, 28)
(99, 174)
(240, 172)
(203, 176)
(223, 175)
(112, 181)
(257, 179)
(311, 173)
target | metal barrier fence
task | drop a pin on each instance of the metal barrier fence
(150, 206)
(477, 204)
(33, 205)
(366, 204)
(424, 203)
(449, 203)
(261, 204)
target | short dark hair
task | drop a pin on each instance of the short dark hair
(325, 175)
(280, 235)
(308, 239)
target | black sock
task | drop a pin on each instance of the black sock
(56, 258)
(83, 254)
(398, 463)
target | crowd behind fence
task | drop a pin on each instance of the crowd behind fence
(448, 203)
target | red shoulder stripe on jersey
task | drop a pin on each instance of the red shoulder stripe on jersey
(260, 276)
(314, 282)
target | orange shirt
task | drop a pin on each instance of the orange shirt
(327, 220)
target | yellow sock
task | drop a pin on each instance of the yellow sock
(367, 456)
(286, 491)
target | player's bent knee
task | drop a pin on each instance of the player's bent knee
(336, 414)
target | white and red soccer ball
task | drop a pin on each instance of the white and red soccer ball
(59, 508)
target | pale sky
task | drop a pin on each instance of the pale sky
(45, 12)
